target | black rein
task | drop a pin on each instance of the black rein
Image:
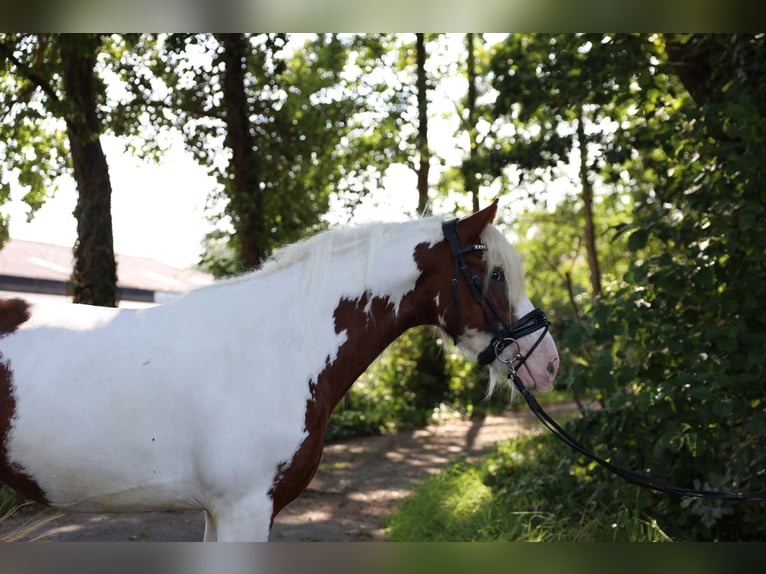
(631, 476)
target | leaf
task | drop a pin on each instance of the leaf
(637, 240)
(757, 424)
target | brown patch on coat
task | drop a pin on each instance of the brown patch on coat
(371, 325)
(368, 335)
(13, 312)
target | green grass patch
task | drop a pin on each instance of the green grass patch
(525, 490)
(9, 499)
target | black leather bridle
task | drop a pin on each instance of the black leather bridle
(507, 335)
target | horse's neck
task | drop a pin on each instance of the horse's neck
(370, 325)
(337, 312)
(387, 302)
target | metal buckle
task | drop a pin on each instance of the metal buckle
(500, 345)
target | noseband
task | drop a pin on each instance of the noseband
(506, 334)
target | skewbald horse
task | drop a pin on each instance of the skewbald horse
(220, 400)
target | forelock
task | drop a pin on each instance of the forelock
(501, 253)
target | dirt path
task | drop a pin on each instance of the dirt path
(358, 484)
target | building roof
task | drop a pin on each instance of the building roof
(41, 267)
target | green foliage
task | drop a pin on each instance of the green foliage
(547, 84)
(526, 490)
(683, 336)
(711, 279)
(33, 142)
(672, 350)
(33, 128)
(9, 499)
(321, 124)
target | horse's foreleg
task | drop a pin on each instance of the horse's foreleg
(211, 535)
(246, 520)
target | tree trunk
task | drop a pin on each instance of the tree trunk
(469, 172)
(245, 194)
(587, 210)
(691, 63)
(423, 153)
(94, 276)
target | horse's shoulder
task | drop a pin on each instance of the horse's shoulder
(13, 313)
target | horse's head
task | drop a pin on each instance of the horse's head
(483, 306)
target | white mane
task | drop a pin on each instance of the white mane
(372, 240)
(318, 249)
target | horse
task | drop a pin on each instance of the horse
(220, 400)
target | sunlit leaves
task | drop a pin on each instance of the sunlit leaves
(32, 134)
(322, 119)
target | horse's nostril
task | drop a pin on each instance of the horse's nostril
(551, 368)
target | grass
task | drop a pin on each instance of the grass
(525, 491)
(9, 499)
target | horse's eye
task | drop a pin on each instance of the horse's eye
(498, 275)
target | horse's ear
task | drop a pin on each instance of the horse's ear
(469, 228)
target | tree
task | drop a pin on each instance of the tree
(34, 155)
(283, 125)
(469, 173)
(94, 276)
(245, 194)
(676, 342)
(422, 138)
(49, 78)
(564, 94)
